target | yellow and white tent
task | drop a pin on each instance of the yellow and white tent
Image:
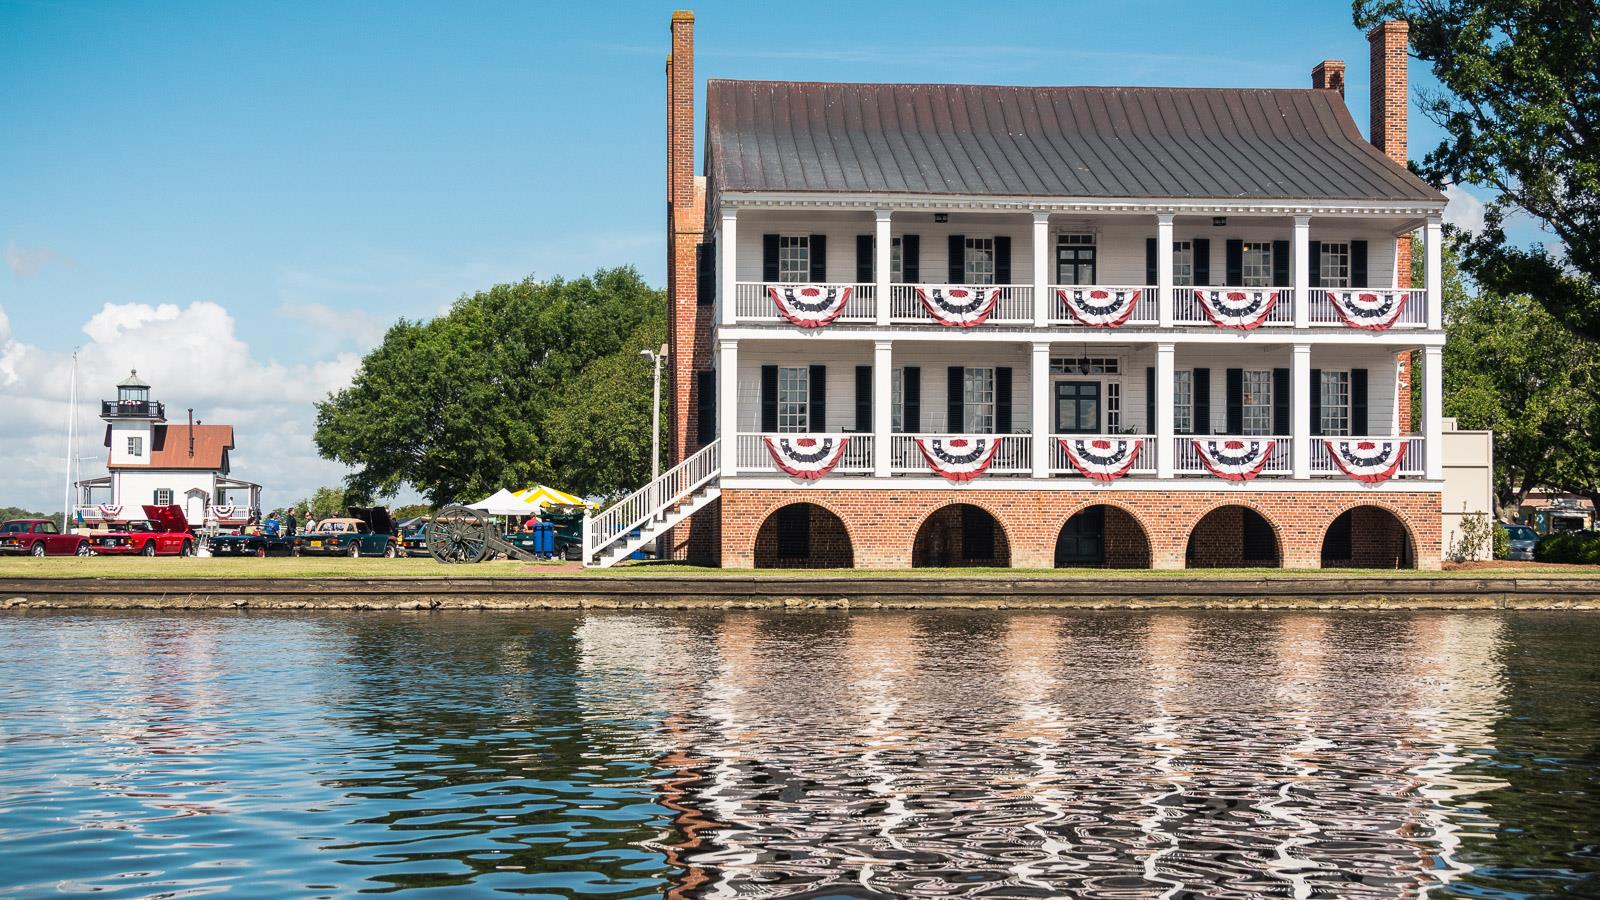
(538, 497)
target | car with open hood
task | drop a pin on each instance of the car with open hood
(366, 531)
(164, 531)
(39, 537)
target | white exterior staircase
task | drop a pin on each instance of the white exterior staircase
(649, 512)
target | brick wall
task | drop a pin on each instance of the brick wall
(1389, 105)
(885, 526)
(830, 544)
(939, 541)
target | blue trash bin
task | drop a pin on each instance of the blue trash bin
(544, 540)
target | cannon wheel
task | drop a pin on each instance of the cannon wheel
(460, 534)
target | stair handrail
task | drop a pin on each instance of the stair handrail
(639, 507)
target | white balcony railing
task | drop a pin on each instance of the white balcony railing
(1014, 307)
(1412, 466)
(1187, 310)
(1186, 457)
(755, 458)
(1414, 315)
(1014, 457)
(753, 303)
(1146, 310)
(1144, 463)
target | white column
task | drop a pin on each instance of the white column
(727, 268)
(882, 409)
(728, 404)
(1165, 369)
(1039, 419)
(1164, 271)
(1041, 273)
(1299, 253)
(1433, 236)
(882, 263)
(1433, 412)
(1300, 409)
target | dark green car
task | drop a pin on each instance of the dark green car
(367, 531)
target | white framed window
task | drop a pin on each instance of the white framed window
(1183, 262)
(980, 260)
(897, 266)
(1114, 407)
(794, 398)
(1075, 259)
(1085, 365)
(1335, 397)
(135, 446)
(977, 401)
(1258, 401)
(1183, 401)
(163, 496)
(897, 400)
(1258, 264)
(794, 258)
(1333, 265)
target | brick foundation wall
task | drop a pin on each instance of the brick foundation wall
(939, 543)
(830, 544)
(885, 527)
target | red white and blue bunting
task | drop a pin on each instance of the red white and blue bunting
(959, 305)
(1369, 310)
(959, 457)
(222, 510)
(809, 305)
(1237, 308)
(110, 510)
(1103, 459)
(806, 455)
(1234, 459)
(1097, 307)
(1365, 460)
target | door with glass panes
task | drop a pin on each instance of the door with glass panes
(1077, 407)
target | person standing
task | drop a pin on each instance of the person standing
(289, 523)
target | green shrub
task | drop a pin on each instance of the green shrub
(1502, 542)
(1569, 548)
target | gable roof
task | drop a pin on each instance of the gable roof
(1105, 142)
(171, 448)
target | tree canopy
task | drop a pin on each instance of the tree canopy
(520, 384)
(1521, 110)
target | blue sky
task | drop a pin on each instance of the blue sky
(318, 169)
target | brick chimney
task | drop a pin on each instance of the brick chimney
(1328, 75)
(1389, 102)
(680, 111)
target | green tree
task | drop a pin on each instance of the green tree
(8, 513)
(464, 404)
(326, 501)
(1521, 112)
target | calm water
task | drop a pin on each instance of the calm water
(1111, 754)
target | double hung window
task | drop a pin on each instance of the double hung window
(980, 260)
(1183, 401)
(163, 496)
(1183, 263)
(1333, 269)
(1335, 397)
(794, 258)
(1257, 401)
(977, 401)
(1258, 264)
(794, 395)
(897, 400)
(135, 446)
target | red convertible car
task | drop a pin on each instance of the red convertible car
(164, 533)
(39, 537)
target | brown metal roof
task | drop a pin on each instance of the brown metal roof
(981, 140)
(171, 450)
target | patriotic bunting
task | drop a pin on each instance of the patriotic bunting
(959, 305)
(1234, 459)
(1099, 308)
(1103, 459)
(1367, 461)
(222, 510)
(809, 305)
(958, 457)
(1373, 311)
(806, 455)
(110, 510)
(1237, 308)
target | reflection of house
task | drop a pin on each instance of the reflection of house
(1552, 513)
(152, 461)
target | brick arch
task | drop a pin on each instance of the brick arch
(779, 501)
(828, 544)
(1280, 535)
(1146, 536)
(947, 518)
(1368, 554)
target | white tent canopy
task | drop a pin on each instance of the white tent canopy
(502, 503)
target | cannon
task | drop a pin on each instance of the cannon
(460, 534)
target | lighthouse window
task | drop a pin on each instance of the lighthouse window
(135, 446)
(163, 496)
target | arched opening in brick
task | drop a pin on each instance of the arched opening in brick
(1102, 536)
(1368, 537)
(1233, 536)
(960, 535)
(803, 536)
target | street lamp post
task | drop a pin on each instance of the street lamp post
(655, 358)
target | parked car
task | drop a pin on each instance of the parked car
(163, 532)
(414, 537)
(40, 537)
(1523, 541)
(260, 545)
(367, 531)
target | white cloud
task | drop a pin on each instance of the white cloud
(357, 325)
(1463, 210)
(26, 262)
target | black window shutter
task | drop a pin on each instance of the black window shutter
(819, 398)
(911, 258)
(911, 396)
(819, 257)
(864, 258)
(1150, 399)
(705, 274)
(1202, 261)
(1235, 263)
(957, 269)
(955, 417)
(769, 398)
(1151, 269)
(1002, 400)
(1358, 264)
(1280, 264)
(1358, 402)
(1235, 386)
(864, 399)
(1314, 261)
(1202, 401)
(1316, 401)
(769, 257)
(1282, 393)
(706, 405)
(1002, 259)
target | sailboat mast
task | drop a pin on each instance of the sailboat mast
(72, 415)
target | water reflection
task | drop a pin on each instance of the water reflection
(897, 754)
